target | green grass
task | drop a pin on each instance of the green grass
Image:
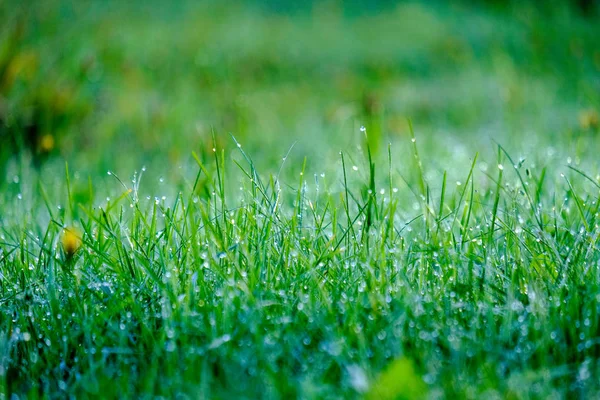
(244, 237)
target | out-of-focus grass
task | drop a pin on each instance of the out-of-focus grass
(317, 258)
(161, 78)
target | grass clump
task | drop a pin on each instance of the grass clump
(327, 250)
(310, 289)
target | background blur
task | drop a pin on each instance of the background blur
(115, 85)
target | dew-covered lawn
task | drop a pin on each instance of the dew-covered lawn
(256, 202)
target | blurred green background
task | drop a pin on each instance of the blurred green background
(118, 85)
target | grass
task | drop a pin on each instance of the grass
(271, 228)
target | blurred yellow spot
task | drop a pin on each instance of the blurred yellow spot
(398, 381)
(62, 98)
(71, 240)
(588, 119)
(23, 66)
(47, 143)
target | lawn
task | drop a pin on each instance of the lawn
(265, 200)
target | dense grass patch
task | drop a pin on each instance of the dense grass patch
(490, 284)
(231, 210)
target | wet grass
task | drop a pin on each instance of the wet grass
(294, 237)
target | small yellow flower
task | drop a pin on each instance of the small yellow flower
(588, 119)
(71, 240)
(47, 143)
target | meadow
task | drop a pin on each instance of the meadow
(335, 200)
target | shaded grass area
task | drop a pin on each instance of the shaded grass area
(256, 236)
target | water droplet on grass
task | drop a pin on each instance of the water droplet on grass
(219, 341)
